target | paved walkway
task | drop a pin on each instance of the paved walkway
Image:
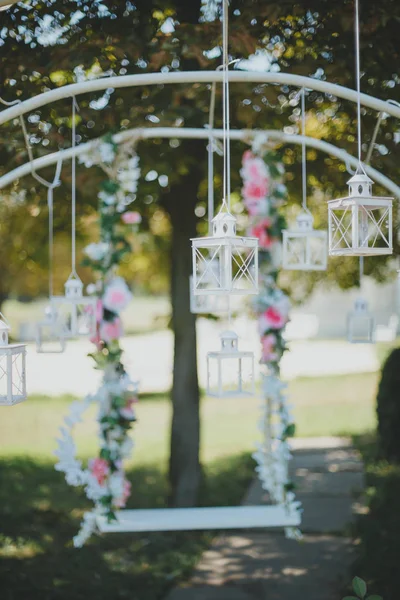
(149, 358)
(256, 565)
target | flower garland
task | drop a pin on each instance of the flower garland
(263, 193)
(104, 478)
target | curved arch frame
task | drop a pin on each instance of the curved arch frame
(193, 133)
(184, 77)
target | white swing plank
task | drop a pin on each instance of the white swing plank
(188, 519)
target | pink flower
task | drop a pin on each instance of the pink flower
(247, 155)
(111, 330)
(268, 346)
(255, 190)
(117, 295)
(99, 311)
(120, 502)
(131, 218)
(99, 469)
(260, 231)
(271, 319)
(254, 169)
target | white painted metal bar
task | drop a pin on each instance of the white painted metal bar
(193, 133)
(187, 77)
(190, 519)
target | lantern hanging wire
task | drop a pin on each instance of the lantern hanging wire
(303, 151)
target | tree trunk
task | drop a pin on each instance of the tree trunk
(184, 467)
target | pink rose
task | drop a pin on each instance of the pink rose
(131, 218)
(99, 469)
(260, 231)
(254, 169)
(247, 155)
(268, 348)
(255, 190)
(271, 319)
(111, 330)
(120, 502)
(117, 295)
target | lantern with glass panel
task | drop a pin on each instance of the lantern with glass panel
(76, 312)
(225, 263)
(360, 224)
(230, 372)
(12, 368)
(360, 324)
(50, 334)
(304, 248)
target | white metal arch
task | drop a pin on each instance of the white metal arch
(185, 77)
(193, 133)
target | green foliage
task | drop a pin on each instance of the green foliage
(360, 589)
(378, 528)
(388, 409)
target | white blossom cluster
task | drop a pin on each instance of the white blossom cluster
(75, 474)
(101, 152)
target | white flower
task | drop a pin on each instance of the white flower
(108, 199)
(97, 251)
(107, 152)
(116, 484)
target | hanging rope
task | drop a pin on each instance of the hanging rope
(303, 150)
(49, 185)
(357, 35)
(210, 151)
(225, 100)
(73, 189)
(361, 270)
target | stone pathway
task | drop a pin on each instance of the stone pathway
(258, 565)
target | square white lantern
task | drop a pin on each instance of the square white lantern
(229, 371)
(12, 369)
(360, 224)
(360, 324)
(207, 303)
(225, 263)
(304, 248)
(76, 312)
(50, 333)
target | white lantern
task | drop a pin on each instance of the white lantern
(76, 311)
(360, 224)
(229, 371)
(50, 333)
(207, 304)
(12, 368)
(225, 263)
(304, 248)
(360, 324)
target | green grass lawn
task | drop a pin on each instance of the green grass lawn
(39, 513)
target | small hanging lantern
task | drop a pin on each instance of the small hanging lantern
(304, 248)
(12, 368)
(230, 372)
(360, 324)
(360, 224)
(76, 312)
(225, 263)
(50, 333)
